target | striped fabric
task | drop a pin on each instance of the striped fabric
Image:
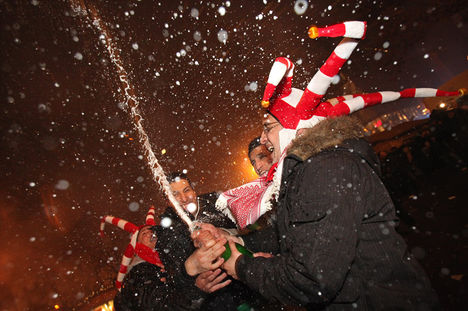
(296, 109)
(291, 107)
(350, 103)
(133, 247)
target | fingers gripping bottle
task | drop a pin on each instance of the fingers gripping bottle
(240, 248)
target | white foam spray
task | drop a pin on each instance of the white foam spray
(90, 13)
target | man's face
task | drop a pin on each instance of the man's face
(147, 237)
(185, 195)
(270, 136)
(260, 158)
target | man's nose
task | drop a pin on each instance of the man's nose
(183, 198)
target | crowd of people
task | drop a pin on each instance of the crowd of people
(437, 144)
(318, 223)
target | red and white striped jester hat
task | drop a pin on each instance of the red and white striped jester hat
(143, 251)
(296, 109)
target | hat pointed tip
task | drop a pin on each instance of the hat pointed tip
(313, 32)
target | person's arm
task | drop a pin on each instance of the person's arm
(264, 240)
(321, 238)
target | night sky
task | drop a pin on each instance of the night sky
(69, 150)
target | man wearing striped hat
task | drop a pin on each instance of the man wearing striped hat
(141, 280)
(334, 239)
(144, 286)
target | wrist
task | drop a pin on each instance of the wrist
(236, 276)
(190, 268)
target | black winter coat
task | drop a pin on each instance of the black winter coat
(175, 246)
(335, 238)
(143, 290)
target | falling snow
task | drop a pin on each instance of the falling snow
(70, 153)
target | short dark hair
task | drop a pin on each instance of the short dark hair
(254, 144)
(176, 176)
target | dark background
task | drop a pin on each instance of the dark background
(69, 152)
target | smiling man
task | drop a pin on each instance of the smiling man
(334, 238)
(184, 193)
(259, 157)
(335, 230)
(271, 128)
(242, 204)
(211, 290)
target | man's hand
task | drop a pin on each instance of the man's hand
(203, 238)
(206, 258)
(216, 233)
(230, 264)
(211, 281)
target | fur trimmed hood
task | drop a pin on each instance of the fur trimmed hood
(328, 133)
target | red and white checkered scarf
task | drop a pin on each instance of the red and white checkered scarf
(245, 204)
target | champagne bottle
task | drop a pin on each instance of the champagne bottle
(240, 248)
(244, 307)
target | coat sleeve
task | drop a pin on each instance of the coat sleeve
(265, 240)
(321, 221)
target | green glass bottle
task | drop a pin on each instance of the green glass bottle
(244, 307)
(240, 248)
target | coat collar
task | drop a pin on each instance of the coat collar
(328, 133)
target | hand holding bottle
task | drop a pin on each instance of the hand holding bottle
(230, 265)
(207, 256)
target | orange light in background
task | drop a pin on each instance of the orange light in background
(56, 307)
(248, 172)
(105, 307)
